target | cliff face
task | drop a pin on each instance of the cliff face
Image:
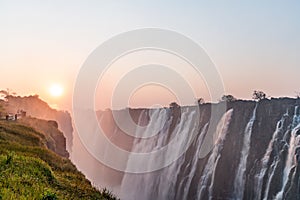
(271, 153)
(55, 139)
(255, 156)
(37, 108)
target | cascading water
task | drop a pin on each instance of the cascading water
(135, 187)
(151, 185)
(272, 167)
(290, 162)
(294, 141)
(267, 152)
(168, 182)
(270, 164)
(186, 181)
(265, 160)
(239, 182)
(207, 179)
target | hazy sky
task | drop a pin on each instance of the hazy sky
(255, 44)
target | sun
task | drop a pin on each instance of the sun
(56, 90)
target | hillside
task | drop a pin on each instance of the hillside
(37, 108)
(54, 137)
(29, 169)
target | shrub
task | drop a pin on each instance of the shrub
(259, 95)
(48, 195)
(107, 194)
(9, 158)
(228, 98)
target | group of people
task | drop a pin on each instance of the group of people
(11, 117)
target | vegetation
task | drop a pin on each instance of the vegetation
(297, 94)
(173, 105)
(200, 101)
(259, 95)
(28, 170)
(228, 98)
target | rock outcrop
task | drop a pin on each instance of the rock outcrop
(54, 137)
(37, 108)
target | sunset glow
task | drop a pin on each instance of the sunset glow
(40, 49)
(181, 100)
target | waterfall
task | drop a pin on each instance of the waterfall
(271, 173)
(290, 162)
(167, 181)
(189, 177)
(159, 184)
(240, 179)
(207, 178)
(278, 136)
(294, 141)
(185, 186)
(265, 160)
(296, 118)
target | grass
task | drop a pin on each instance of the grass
(28, 170)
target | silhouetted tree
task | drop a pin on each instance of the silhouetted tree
(173, 105)
(259, 95)
(297, 95)
(200, 101)
(3, 93)
(228, 98)
(6, 93)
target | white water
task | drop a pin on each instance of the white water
(265, 160)
(240, 179)
(285, 173)
(168, 179)
(185, 183)
(206, 181)
(161, 184)
(296, 118)
(294, 141)
(177, 180)
(276, 160)
(270, 177)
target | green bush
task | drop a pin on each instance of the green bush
(48, 195)
(107, 194)
(9, 158)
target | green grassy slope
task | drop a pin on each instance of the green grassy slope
(28, 170)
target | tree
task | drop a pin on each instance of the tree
(228, 98)
(259, 95)
(200, 101)
(173, 105)
(297, 95)
(4, 93)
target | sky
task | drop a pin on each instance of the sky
(255, 44)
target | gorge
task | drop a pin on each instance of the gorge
(256, 152)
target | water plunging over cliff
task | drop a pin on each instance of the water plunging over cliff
(255, 156)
